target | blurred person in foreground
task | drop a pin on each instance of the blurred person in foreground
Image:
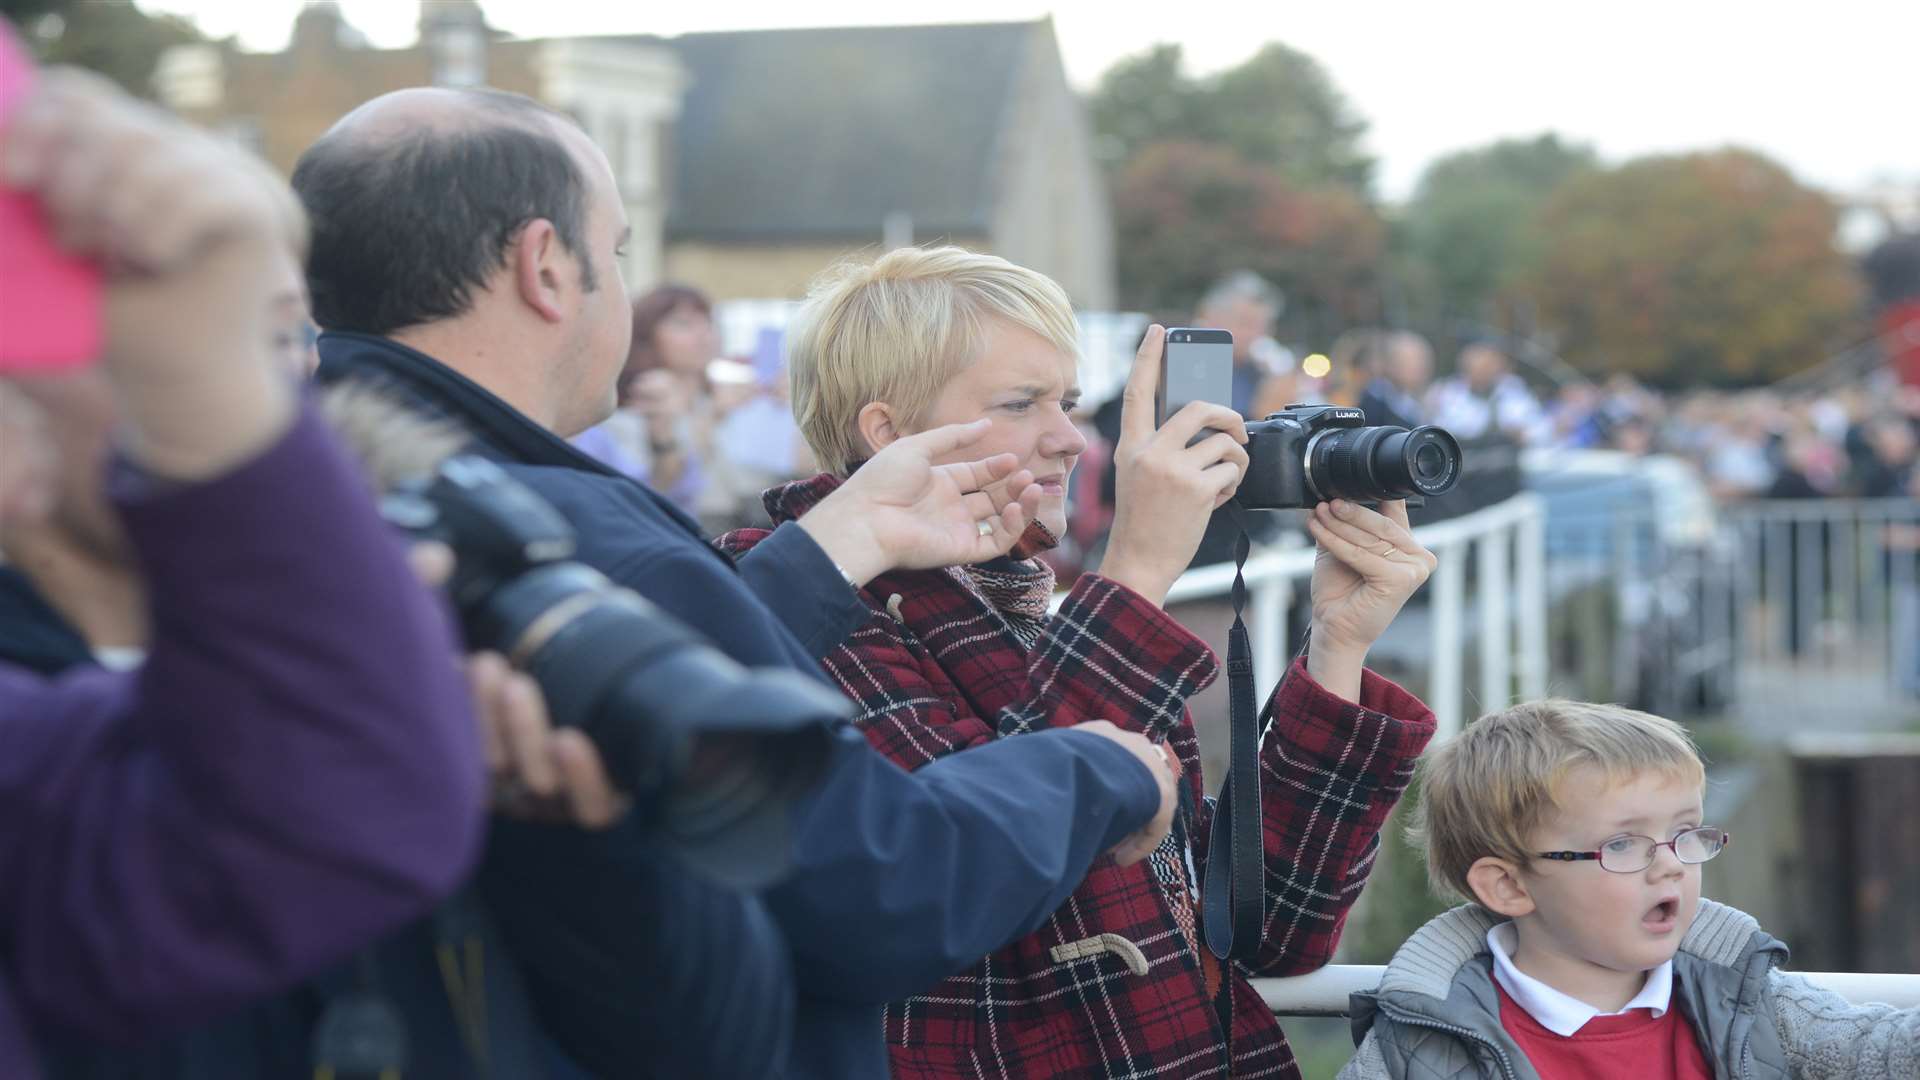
(267, 793)
(635, 966)
(73, 600)
(964, 657)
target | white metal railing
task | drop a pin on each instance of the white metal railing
(1827, 609)
(1324, 992)
(1507, 542)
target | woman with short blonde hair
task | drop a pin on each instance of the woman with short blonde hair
(1116, 982)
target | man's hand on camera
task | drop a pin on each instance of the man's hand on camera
(900, 511)
(1157, 760)
(187, 230)
(1366, 567)
(1164, 490)
(540, 773)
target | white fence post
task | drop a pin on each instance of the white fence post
(1532, 585)
(1271, 599)
(1448, 599)
(1496, 645)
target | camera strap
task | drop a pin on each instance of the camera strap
(1233, 897)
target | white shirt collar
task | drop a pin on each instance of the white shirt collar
(1557, 1012)
(120, 657)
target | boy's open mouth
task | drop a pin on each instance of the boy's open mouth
(1663, 915)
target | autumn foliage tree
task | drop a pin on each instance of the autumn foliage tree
(1184, 212)
(1471, 226)
(1697, 268)
(1259, 167)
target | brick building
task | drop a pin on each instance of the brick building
(749, 161)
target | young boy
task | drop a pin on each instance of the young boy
(1587, 951)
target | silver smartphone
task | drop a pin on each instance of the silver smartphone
(1196, 366)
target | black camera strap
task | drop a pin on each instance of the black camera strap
(1233, 898)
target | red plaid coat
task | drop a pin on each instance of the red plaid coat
(1115, 983)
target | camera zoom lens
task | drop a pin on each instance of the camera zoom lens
(1429, 463)
(1367, 464)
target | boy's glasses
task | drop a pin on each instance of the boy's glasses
(1631, 854)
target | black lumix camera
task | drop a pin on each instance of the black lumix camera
(1307, 454)
(713, 754)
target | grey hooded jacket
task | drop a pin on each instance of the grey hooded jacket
(1436, 1014)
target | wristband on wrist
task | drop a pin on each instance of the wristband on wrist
(846, 577)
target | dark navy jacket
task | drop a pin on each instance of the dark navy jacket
(899, 879)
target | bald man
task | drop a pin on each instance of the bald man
(467, 249)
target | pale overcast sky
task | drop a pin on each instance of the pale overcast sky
(1831, 88)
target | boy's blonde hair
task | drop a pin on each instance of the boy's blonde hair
(897, 329)
(1483, 792)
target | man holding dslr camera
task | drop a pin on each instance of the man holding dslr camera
(467, 254)
(268, 792)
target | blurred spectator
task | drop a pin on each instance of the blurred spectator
(1735, 449)
(1265, 380)
(703, 431)
(1809, 466)
(1402, 367)
(653, 436)
(1485, 396)
(1575, 421)
(1351, 363)
(1245, 305)
(1889, 467)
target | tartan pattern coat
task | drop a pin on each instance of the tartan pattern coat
(1116, 983)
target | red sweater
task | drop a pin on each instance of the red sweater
(1609, 1047)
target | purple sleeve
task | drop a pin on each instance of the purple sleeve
(295, 770)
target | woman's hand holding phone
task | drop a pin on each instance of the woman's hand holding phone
(1166, 489)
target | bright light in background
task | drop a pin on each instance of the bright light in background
(1823, 90)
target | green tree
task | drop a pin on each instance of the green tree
(1471, 226)
(24, 13)
(1184, 212)
(1697, 268)
(1279, 109)
(112, 37)
(1142, 99)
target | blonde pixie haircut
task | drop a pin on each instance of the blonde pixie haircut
(897, 329)
(1483, 792)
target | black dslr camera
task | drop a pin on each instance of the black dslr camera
(712, 753)
(1307, 454)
